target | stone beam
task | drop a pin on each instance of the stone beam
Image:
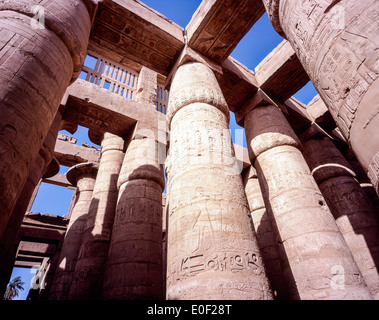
(129, 30)
(281, 74)
(237, 82)
(99, 109)
(218, 25)
(68, 154)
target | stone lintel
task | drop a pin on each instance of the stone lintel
(217, 26)
(133, 31)
(96, 108)
(280, 73)
(259, 99)
(69, 154)
(237, 82)
(59, 180)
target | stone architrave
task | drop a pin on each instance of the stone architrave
(319, 258)
(89, 269)
(337, 44)
(349, 204)
(212, 252)
(43, 45)
(83, 176)
(134, 268)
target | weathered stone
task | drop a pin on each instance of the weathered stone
(317, 253)
(134, 267)
(89, 269)
(337, 42)
(349, 205)
(211, 247)
(36, 68)
(83, 176)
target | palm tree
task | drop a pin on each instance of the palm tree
(13, 288)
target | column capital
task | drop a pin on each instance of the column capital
(266, 128)
(272, 9)
(195, 82)
(326, 164)
(260, 98)
(82, 170)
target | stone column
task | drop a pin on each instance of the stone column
(42, 51)
(212, 252)
(337, 44)
(44, 166)
(134, 266)
(349, 205)
(89, 270)
(320, 260)
(147, 86)
(268, 239)
(82, 176)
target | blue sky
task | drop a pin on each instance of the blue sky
(257, 43)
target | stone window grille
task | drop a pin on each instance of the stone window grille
(161, 101)
(110, 76)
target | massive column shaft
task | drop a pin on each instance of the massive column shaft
(39, 169)
(349, 205)
(320, 261)
(83, 176)
(337, 44)
(134, 265)
(282, 284)
(89, 269)
(212, 252)
(37, 63)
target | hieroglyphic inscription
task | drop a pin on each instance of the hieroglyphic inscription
(221, 261)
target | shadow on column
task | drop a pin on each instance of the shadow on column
(288, 290)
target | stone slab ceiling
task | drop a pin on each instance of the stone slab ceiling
(136, 32)
(218, 25)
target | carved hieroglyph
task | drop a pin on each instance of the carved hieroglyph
(36, 68)
(134, 268)
(337, 43)
(349, 204)
(83, 176)
(89, 269)
(212, 252)
(320, 261)
(268, 239)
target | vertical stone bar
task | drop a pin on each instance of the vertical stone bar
(134, 266)
(212, 252)
(37, 63)
(349, 205)
(320, 260)
(268, 239)
(90, 266)
(337, 44)
(83, 176)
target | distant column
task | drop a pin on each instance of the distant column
(349, 204)
(134, 267)
(282, 284)
(90, 266)
(212, 252)
(319, 258)
(39, 57)
(337, 44)
(82, 176)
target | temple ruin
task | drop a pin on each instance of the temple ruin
(292, 216)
